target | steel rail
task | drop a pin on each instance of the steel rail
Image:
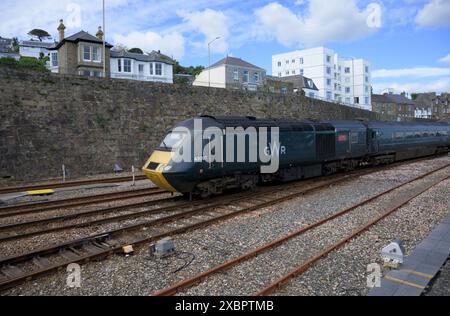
(140, 241)
(311, 261)
(173, 289)
(106, 235)
(40, 207)
(14, 189)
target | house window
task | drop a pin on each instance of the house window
(329, 95)
(329, 70)
(236, 74)
(54, 59)
(367, 69)
(151, 69)
(287, 62)
(245, 78)
(126, 65)
(367, 100)
(91, 53)
(366, 89)
(86, 73)
(347, 89)
(141, 68)
(328, 59)
(87, 53)
(301, 61)
(96, 54)
(287, 72)
(293, 61)
(367, 79)
(279, 74)
(158, 69)
(356, 100)
(293, 72)
(347, 100)
(328, 82)
(302, 72)
(279, 64)
(347, 70)
(256, 76)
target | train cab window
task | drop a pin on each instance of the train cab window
(173, 140)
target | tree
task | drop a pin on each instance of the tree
(197, 70)
(40, 34)
(414, 96)
(136, 51)
(15, 45)
(119, 47)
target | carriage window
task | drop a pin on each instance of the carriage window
(399, 135)
(354, 137)
(173, 140)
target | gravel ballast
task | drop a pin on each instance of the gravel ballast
(341, 273)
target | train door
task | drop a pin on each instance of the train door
(372, 140)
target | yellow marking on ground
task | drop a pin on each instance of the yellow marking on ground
(41, 192)
(404, 282)
(428, 276)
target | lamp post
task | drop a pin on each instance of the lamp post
(104, 42)
(209, 60)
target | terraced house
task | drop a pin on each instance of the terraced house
(80, 54)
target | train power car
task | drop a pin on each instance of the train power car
(305, 149)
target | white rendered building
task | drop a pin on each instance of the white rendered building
(342, 80)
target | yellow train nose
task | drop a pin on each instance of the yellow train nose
(154, 167)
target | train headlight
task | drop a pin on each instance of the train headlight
(167, 168)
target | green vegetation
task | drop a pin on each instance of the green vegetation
(142, 126)
(178, 69)
(101, 121)
(25, 63)
(136, 51)
(39, 34)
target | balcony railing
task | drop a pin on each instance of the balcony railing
(130, 76)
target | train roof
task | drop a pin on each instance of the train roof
(283, 124)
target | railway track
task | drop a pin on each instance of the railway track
(13, 189)
(39, 207)
(17, 269)
(189, 216)
(202, 277)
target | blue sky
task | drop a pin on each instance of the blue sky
(407, 41)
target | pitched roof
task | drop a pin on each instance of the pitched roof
(37, 44)
(233, 61)
(153, 56)
(299, 81)
(392, 98)
(81, 36)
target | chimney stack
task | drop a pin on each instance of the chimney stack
(61, 29)
(99, 33)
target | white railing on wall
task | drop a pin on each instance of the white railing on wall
(121, 75)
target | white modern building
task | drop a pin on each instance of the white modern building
(342, 80)
(34, 49)
(145, 67)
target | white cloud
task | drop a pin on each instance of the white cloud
(439, 86)
(171, 44)
(211, 24)
(419, 72)
(326, 20)
(445, 59)
(434, 13)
